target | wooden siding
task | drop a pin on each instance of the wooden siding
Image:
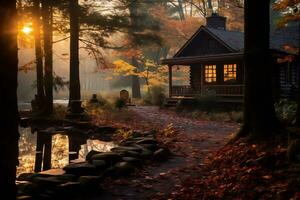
(195, 77)
(288, 79)
(285, 82)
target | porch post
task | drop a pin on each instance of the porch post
(202, 78)
(170, 80)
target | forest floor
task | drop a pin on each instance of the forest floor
(190, 141)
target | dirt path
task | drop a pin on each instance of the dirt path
(193, 141)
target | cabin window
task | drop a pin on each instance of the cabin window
(230, 73)
(210, 73)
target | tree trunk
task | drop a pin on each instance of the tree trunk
(38, 55)
(9, 118)
(180, 10)
(135, 83)
(209, 4)
(74, 52)
(259, 113)
(298, 96)
(136, 89)
(47, 32)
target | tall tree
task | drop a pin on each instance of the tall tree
(259, 113)
(133, 9)
(74, 51)
(48, 34)
(38, 54)
(8, 99)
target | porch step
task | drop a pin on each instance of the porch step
(171, 102)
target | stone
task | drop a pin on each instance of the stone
(29, 188)
(81, 169)
(161, 154)
(111, 171)
(150, 133)
(99, 164)
(31, 176)
(142, 138)
(124, 168)
(127, 143)
(24, 197)
(68, 190)
(151, 147)
(53, 172)
(90, 154)
(25, 177)
(147, 141)
(88, 181)
(67, 177)
(133, 161)
(130, 154)
(126, 148)
(109, 157)
(47, 182)
(146, 154)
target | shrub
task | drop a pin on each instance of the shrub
(286, 110)
(98, 101)
(156, 96)
(207, 102)
(120, 103)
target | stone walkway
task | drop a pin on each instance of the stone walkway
(193, 140)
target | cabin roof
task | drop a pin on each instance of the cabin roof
(234, 40)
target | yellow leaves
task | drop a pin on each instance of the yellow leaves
(123, 68)
(169, 130)
(152, 73)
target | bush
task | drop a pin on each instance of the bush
(98, 101)
(206, 102)
(120, 103)
(286, 110)
(156, 96)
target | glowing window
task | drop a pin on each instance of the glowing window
(230, 72)
(210, 73)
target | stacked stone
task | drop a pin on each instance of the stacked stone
(80, 180)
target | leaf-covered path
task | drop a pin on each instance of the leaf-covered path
(189, 140)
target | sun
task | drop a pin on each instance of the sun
(27, 30)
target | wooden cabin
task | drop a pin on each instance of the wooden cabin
(215, 59)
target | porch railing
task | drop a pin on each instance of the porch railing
(217, 90)
(224, 90)
(184, 90)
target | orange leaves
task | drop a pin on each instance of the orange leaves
(174, 31)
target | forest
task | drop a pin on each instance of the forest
(150, 99)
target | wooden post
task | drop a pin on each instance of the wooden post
(75, 142)
(73, 148)
(38, 153)
(47, 151)
(170, 81)
(202, 78)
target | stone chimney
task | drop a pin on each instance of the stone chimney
(216, 21)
